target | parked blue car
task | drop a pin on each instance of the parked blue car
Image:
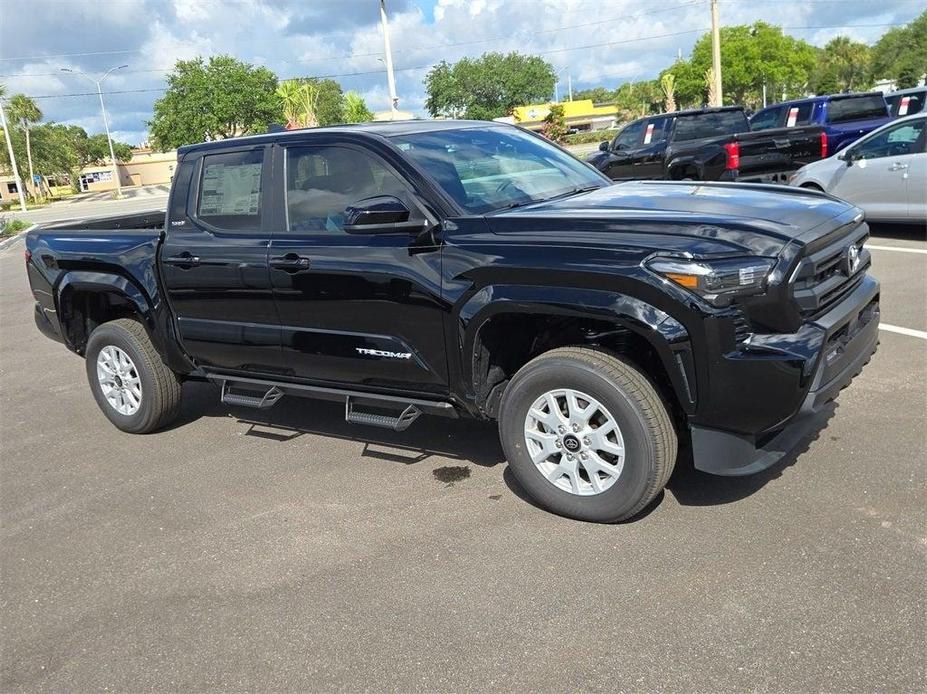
(844, 117)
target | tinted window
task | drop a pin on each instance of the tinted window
(490, 168)
(904, 138)
(798, 115)
(712, 124)
(856, 108)
(655, 131)
(322, 181)
(181, 190)
(230, 190)
(765, 119)
(630, 137)
(906, 104)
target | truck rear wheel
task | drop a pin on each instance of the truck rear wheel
(130, 383)
(587, 435)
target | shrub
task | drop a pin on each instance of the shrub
(8, 227)
(587, 136)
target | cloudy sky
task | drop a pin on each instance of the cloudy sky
(597, 42)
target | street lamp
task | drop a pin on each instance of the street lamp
(109, 139)
(557, 83)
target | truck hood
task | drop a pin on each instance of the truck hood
(701, 218)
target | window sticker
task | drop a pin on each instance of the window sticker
(793, 117)
(233, 189)
(648, 135)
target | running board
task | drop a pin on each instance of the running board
(269, 392)
(399, 423)
(258, 402)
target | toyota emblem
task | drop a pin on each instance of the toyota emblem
(852, 259)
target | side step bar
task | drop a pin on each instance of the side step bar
(260, 402)
(261, 394)
(400, 423)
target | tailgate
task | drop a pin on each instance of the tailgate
(779, 149)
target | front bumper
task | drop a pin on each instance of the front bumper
(848, 336)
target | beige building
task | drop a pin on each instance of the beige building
(145, 168)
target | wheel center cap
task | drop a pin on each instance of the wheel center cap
(118, 381)
(571, 443)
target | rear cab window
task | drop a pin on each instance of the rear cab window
(767, 118)
(853, 108)
(655, 130)
(711, 124)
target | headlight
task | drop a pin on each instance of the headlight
(716, 281)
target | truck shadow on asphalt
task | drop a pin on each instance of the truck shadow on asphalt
(463, 441)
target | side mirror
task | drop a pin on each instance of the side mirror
(382, 214)
(847, 156)
(603, 146)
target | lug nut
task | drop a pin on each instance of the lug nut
(569, 456)
(576, 427)
(562, 428)
(586, 440)
(583, 456)
(559, 444)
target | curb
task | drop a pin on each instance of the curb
(6, 243)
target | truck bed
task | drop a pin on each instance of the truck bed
(134, 221)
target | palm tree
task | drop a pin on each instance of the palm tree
(300, 103)
(25, 112)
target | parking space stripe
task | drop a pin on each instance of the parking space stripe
(895, 248)
(903, 331)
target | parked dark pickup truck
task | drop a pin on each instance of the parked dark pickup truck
(710, 144)
(467, 269)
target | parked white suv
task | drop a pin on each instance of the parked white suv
(884, 173)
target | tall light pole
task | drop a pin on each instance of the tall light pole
(557, 84)
(9, 148)
(716, 53)
(109, 139)
(390, 79)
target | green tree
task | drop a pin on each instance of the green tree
(488, 87)
(355, 109)
(843, 66)
(901, 54)
(25, 113)
(214, 100)
(751, 56)
(667, 85)
(329, 108)
(299, 103)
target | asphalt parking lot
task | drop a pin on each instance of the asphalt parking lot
(286, 550)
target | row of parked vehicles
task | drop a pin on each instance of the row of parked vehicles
(811, 142)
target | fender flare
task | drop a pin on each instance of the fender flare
(87, 281)
(667, 336)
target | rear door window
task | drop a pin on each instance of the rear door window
(865, 107)
(906, 104)
(798, 114)
(230, 190)
(655, 130)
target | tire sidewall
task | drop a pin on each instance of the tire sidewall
(104, 336)
(639, 464)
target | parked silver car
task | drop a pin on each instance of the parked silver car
(884, 173)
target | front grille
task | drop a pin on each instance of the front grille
(824, 276)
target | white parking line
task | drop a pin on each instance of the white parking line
(895, 248)
(903, 331)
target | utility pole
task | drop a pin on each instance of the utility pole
(9, 148)
(109, 139)
(570, 85)
(716, 53)
(391, 81)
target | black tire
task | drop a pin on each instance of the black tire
(161, 388)
(649, 437)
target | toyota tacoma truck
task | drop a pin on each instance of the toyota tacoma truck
(470, 269)
(708, 144)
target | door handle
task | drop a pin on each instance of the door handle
(290, 262)
(184, 260)
(897, 166)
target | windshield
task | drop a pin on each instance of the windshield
(492, 168)
(712, 124)
(856, 108)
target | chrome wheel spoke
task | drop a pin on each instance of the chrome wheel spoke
(119, 380)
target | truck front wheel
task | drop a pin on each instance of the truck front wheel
(130, 383)
(587, 435)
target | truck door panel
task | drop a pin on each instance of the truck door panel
(364, 309)
(213, 263)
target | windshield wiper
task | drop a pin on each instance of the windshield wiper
(573, 191)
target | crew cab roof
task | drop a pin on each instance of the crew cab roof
(381, 128)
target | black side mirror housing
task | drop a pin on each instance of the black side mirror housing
(381, 214)
(603, 146)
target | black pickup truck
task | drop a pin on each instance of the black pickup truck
(709, 144)
(468, 269)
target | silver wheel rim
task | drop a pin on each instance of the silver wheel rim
(574, 442)
(119, 380)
